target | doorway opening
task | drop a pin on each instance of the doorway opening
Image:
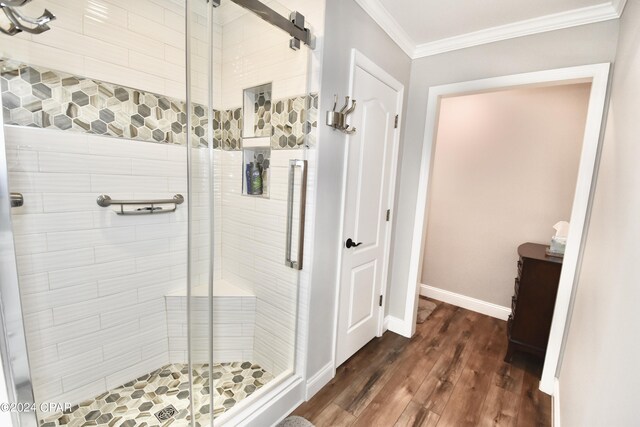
(592, 81)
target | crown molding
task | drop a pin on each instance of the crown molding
(557, 21)
(619, 5)
(383, 18)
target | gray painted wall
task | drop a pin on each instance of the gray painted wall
(347, 26)
(599, 377)
(586, 44)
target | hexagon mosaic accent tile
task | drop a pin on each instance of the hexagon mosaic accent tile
(33, 96)
(38, 97)
(232, 129)
(262, 110)
(137, 402)
(294, 120)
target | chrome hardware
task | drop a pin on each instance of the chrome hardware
(19, 22)
(293, 164)
(106, 201)
(13, 344)
(351, 244)
(294, 26)
(338, 119)
(17, 200)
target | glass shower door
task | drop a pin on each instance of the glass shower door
(161, 233)
(95, 128)
(248, 176)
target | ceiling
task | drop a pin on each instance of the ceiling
(427, 27)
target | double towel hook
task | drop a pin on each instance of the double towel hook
(19, 22)
(338, 119)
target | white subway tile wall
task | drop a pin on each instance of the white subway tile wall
(94, 283)
(233, 328)
(253, 256)
(255, 53)
(137, 44)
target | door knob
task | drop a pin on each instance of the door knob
(350, 244)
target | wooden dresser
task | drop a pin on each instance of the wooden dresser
(533, 300)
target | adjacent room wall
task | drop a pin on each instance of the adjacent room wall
(350, 28)
(599, 379)
(504, 173)
(587, 44)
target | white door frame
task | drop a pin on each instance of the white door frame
(358, 59)
(598, 75)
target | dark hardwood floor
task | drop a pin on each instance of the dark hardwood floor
(451, 373)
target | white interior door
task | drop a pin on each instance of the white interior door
(369, 177)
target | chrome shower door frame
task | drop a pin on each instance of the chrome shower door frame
(13, 343)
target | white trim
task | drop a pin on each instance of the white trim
(389, 25)
(358, 59)
(555, 404)
(398, 326)
(459, 300)
(556, 21)
(542, 24)
(598, 74)
(320, 379)
(619, 5)
(267, 408)
(579, 214)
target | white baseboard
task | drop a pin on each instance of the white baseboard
(473, 304)
(398, 326)
(320, 379)
(555, 403)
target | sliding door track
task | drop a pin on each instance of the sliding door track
(294, 25)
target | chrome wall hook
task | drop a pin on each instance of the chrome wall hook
(338, 119)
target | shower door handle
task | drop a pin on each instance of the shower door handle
(293, 164)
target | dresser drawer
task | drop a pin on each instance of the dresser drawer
(519, 268)
(516, 286)
(514, 301)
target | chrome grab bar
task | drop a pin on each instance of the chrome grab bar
(17, 200)
(106, 201)
(293, 164)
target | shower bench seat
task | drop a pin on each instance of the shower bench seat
(234, 313)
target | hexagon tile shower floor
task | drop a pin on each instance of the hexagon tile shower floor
(144, 401)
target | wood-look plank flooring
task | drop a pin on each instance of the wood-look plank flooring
(451, 373)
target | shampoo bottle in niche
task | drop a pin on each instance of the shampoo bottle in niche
(255, 178)
(247, 177)
(265, 181)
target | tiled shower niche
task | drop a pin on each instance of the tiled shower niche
(38, 97)
(257, 112)
(256, 176)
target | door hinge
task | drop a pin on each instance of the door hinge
(380, 303)
(395, 125)
(388, 214)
